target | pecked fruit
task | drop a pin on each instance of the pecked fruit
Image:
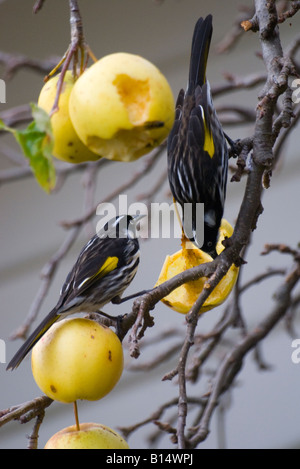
(182, 298)
(122, 107)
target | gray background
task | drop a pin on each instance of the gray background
(263, 410)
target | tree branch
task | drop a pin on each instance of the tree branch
(233, 360)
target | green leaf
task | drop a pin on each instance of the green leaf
(37, 144)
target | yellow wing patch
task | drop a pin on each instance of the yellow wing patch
(209, 145)
(109, 265)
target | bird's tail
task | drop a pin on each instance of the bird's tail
(50, 319)
(199, 53)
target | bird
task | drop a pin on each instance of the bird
(103, 270)
(197, 150)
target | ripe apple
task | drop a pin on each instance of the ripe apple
(67, 145)
(182, 298)
(122, 107)
(76, 359)
(90, 436)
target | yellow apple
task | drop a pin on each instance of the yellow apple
(122, 107)
(90, 436)
(77, 359)
(67, 145)
(182, 298)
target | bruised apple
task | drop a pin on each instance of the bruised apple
(67, 145)
(182, 298)
(122, 107)
(77, 359)
(90, 436)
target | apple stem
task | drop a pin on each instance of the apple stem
(76, 415)
(77, 44)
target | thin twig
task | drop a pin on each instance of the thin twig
(148, 165)
(33, 437)
(21, 411)
(236, 355)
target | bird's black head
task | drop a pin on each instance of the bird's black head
(122, 226)
(210, 248)
(208, 245)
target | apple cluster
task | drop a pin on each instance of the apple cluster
(120, 108)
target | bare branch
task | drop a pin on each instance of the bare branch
(295, 6)
(235, 83)
(13, 63)
(33, 437)
(233, 360)
(231, 38)
(26, 411)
